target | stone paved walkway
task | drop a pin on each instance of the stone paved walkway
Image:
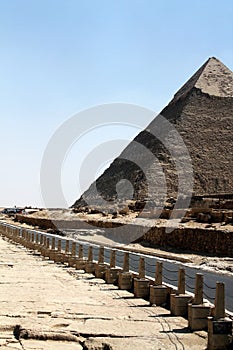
(49, 299)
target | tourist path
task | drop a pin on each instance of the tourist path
(54, 302)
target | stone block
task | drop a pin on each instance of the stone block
(198, 316)
(66, 257)
(90, 267)
(125, 280)
(179, 304)
(141, 288)
(58, 258)
(159, 295)
(72, 261)
(43, 250)
(219, 333)
(81, 263)
(100, 270)
(111, 275)
(46, 253)
(52, 254)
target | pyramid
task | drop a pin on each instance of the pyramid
(201, 114)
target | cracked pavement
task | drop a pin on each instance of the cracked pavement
(53, 302)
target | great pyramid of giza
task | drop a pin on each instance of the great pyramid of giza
(201, 113)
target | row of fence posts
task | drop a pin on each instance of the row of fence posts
(201, 315)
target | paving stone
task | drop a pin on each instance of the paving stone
(44, 297)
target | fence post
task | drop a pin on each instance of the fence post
(32, 243)
(72, 257)
(40, 246)
(81, 261)
(158, 291)
(126, 262)
(90, 265)
(100, 267)
(52, 250)
(179, 302)
(125, 278)
(113, 258)
(198, 297)
(159, 274)
(219, 326)
(58, 256)
(111, 273)
(219, 302)
(47, 247)
(53, 243)
(101, 255)
(197, 311)
(90, 254)
(141, 284)
(181, 281)
(141, 270)
(80, 251)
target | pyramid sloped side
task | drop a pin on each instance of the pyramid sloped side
(212, 78)
(206, 126)
(204, 121)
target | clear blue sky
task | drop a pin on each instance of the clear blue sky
(60, 57)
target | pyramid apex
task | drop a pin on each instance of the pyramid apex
(212, 78)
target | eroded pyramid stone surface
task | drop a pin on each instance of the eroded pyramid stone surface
(201, 114)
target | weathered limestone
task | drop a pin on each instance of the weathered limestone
(47, 248)
(37, 243)
(111, 273)
(16, 237)
(40, 245)
(90, 265)
(26, 238)
(197, 311)
(80, 261)
(141, 284)
(31, 244)
(67, 253)
(58, 256)
(158, 291)
(179, 303)
(52, 251)
(44, 245)
(72, 258)
(20, 240)
(219, 326)
(125, 279)
(100, 267)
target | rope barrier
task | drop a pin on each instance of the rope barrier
(120, 253)
(207, 286)
(172, 271)
(170, 279)
(150, 270)
(136, 260)
(208, 297)
(147, 263)
(119, 261)
(188, 286)
(192, 278)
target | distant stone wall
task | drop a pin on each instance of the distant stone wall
(46, 224)
(43, 224)
(211, 241)
(206, 240)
